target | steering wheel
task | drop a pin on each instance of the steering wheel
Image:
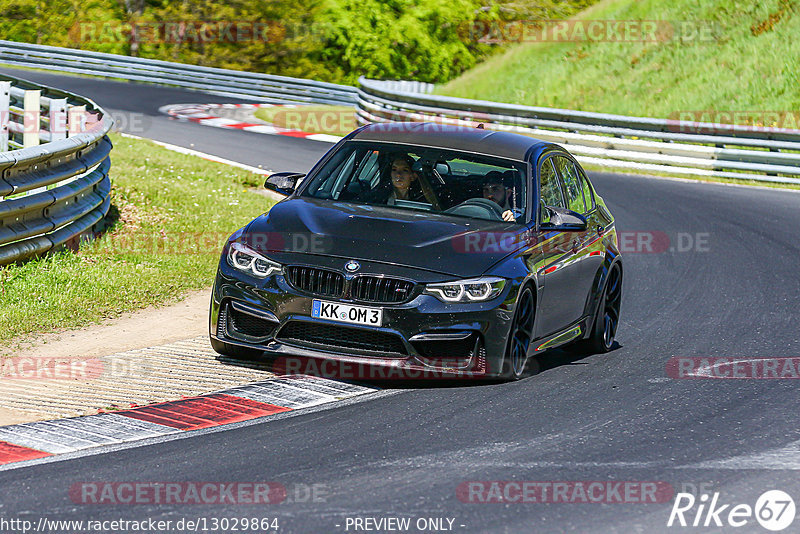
(470, 206)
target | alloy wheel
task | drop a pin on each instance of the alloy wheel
(521, 332)
(611, 305)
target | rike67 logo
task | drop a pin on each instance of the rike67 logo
(774, 510)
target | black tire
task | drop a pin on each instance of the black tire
(516, 361)
(235, 351)
(606, 320)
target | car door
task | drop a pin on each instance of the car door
(566, 279)
(593, 249)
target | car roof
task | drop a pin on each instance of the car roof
(501, 144)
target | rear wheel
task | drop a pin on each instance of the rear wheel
(519, 339)
(606, 320)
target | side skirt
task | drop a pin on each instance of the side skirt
(561, 337)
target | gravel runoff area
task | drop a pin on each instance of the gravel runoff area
(134, 360)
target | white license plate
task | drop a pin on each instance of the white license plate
(345, 313)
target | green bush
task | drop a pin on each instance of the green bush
(328, 40)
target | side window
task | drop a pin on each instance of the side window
(549, 189)
(343, 172)
(358, 172)
(588, 198)
(368, 169)
(572, 184)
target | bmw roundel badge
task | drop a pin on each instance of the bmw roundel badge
(352, 266)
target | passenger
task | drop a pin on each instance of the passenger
(497, 188)
(406, 184)
(402, 175)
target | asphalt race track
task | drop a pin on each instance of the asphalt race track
(727, 284)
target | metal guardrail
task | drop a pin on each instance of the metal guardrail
(615, 141)
(53, 192)
(224, 82)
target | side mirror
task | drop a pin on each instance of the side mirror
(564, 220)
(283, 182)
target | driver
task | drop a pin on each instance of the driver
(497, 187)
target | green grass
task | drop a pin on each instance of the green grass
(324, 119)
(752, 65)
(172, 211)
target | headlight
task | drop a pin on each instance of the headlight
(474, 290)
(248, 260)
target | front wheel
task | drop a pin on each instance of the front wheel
(606, 321)
(519, 339)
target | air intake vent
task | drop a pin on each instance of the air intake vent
(243, 325)
(346, 339)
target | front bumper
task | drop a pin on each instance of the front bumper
(420, 338)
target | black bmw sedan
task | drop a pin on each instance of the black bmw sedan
(427, 250)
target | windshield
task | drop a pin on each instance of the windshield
(409, 177)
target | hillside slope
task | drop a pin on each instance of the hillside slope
(749, 61)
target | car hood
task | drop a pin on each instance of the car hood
(445, 244)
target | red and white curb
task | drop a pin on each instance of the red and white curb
(205, 114)
(42, 439)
